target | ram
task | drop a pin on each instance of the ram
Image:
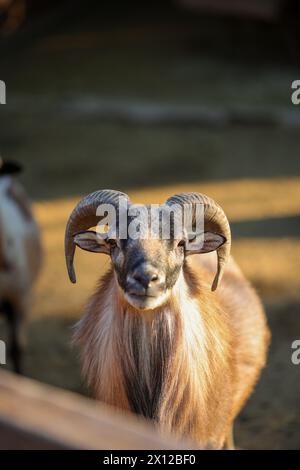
(160, 336)
(20, 256)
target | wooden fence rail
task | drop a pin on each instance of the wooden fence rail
(37, 416)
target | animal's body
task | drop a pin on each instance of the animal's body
(20, 259)
(190, 362)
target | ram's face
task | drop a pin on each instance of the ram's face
(146, 264)
(147, 269)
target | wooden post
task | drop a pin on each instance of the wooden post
(37, 416)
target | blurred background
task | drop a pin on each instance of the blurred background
(152, 98)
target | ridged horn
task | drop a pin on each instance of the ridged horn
(84, 217)
(215, 221)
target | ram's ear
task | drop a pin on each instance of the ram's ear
(211, 242)
(91, 241)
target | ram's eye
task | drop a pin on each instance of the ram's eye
(181, 243)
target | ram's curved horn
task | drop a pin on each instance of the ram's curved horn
(84, 216)
(215, 221)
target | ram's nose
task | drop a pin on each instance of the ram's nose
(144, 279)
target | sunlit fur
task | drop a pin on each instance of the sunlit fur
(189, 364)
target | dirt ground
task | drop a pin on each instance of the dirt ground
(253, 172)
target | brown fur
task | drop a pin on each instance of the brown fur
(189, 365)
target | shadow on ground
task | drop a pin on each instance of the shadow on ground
(271, 419)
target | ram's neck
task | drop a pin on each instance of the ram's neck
(158, 365)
